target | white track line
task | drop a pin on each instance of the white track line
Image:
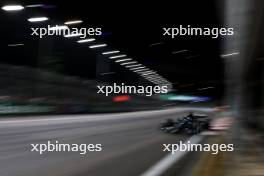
(165, 163)
(84, 118)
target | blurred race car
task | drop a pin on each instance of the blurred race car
(190, 124)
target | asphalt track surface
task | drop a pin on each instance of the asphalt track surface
(131, 143)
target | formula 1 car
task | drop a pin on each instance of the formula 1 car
(191, 124)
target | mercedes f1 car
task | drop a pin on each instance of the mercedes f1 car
(191, 124)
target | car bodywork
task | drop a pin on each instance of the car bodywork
(188, 125)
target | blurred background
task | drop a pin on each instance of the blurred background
(49, 86)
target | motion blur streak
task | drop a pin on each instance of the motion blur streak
(121, 98)
(128, 139)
